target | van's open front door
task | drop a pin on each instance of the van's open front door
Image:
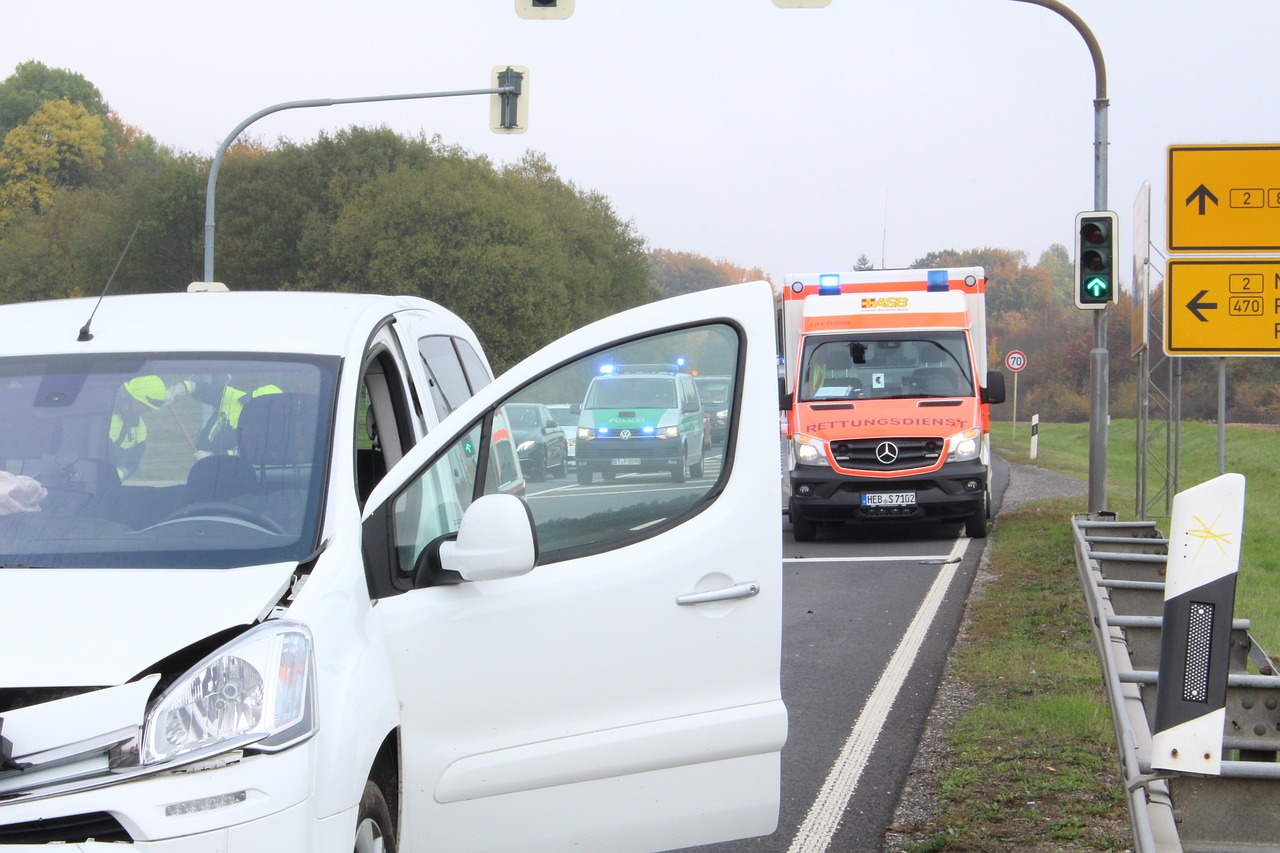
(600, 672)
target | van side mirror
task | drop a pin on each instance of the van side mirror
(495, 540)
(994, 392)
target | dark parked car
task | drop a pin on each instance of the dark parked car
(540, 442)
(716, 394)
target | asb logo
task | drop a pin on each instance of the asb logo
(871, 302)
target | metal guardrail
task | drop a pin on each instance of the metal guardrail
(1122, 566)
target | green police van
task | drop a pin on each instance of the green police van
(640, 418)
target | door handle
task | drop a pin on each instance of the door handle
(728, 593)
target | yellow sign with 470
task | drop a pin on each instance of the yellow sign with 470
(1222, 307)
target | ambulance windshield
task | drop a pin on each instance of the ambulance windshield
(886, 365)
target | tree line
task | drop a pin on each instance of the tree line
(521, 254)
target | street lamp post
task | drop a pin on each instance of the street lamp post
(1099, 358)
(289, 105)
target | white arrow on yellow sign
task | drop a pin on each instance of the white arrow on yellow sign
(1222, 307)
(1224, 198)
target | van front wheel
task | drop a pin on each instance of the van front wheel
(374, 830)
(975, 526)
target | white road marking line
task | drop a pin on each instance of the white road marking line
(823, 819)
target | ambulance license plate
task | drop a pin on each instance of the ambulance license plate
(627, 460)
(888, 498)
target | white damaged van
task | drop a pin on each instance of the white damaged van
(272, 579)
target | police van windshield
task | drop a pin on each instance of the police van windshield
(886, 364)
(632, 392)
(182, 461)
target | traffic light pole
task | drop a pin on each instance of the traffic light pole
(1099, 359)
(505, 90)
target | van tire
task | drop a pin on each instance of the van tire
(375, 833)
(975, 526)
(584, 476)
(695, 471)
(677, 473)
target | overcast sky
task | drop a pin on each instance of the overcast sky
(792, 140)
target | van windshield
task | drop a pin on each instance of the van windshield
(173, 461)
(632, 392)
(885, 365)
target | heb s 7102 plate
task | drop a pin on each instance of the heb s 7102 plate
(888, 498)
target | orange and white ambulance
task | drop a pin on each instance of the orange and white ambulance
(888, 397)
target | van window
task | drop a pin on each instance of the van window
(447, 379)
(630, 503)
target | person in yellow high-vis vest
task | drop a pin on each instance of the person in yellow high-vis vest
(128, 429)
(219, 433)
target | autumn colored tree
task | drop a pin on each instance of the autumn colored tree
(60, 145)
(673, 273)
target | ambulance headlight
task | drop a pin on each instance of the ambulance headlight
(256, 691)
(965, 446)
(809, 450)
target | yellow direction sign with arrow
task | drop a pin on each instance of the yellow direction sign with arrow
(1224, 198)
(1222, 307)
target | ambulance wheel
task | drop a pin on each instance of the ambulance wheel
(374, 831)
(803, 529)
(975, 526)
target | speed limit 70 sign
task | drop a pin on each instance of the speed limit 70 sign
(1015, 360)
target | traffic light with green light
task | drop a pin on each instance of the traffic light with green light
(1096, 259)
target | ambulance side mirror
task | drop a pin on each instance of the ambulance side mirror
(994, 392)
(784, 399)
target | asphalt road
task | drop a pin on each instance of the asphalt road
(869, 618)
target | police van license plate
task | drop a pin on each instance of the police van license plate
(627, 460)
(888, 498)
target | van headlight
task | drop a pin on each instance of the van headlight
(669, 432)
(965, 445)
(258, 690)
(809, 450)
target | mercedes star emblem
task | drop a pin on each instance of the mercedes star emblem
(887, 452)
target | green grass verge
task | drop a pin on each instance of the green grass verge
(1033, 764)
(1250, 449)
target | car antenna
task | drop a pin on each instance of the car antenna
(85, 334)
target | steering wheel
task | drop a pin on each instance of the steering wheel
(225, 509)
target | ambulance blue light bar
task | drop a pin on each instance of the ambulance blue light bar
(938, 281)
(829, 284)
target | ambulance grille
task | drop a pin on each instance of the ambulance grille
(887, 454)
